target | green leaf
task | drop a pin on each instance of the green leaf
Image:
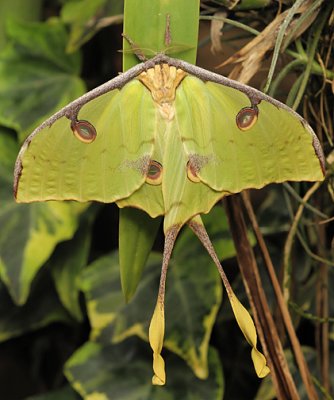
(137, 232)
(123, 371)
(42, 308)
(29, 233)
(105, 302)
(146, 28)
(37, 77)
(192, 301)
(67, 262)
(28, 237)
(28, 10)
(85, 18)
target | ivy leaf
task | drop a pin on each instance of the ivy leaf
(42, 308)
(67, 262)
(29, 233)
(85, 19)
(102, 372)
(137, 232)
(37, 77)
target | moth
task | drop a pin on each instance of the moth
(171, 139)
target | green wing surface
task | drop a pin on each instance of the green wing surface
(56, 165)
(279, 146)
(183, 198)
(169, 138)
(177, 197)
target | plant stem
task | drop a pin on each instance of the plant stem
(300, 359)
(282, 379)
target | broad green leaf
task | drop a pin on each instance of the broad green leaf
(149, 29)
(101, 285)
(85, 18)
(137, 232)
(67, 262)
(28, 236)
(29, 233)
(27, 10)
(37, 77)
(42, 309)
(123, 371)
(193, 296)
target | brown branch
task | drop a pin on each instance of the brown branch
(272, 347)
(301, 362)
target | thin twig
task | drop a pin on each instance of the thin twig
(282, 378)
(279, 41)
(311, 53)
(232, 22)
(314, 210)
(290, 238)
(300, 359)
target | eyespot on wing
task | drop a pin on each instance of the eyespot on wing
(84, 131)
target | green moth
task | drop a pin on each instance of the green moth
(171, 139)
